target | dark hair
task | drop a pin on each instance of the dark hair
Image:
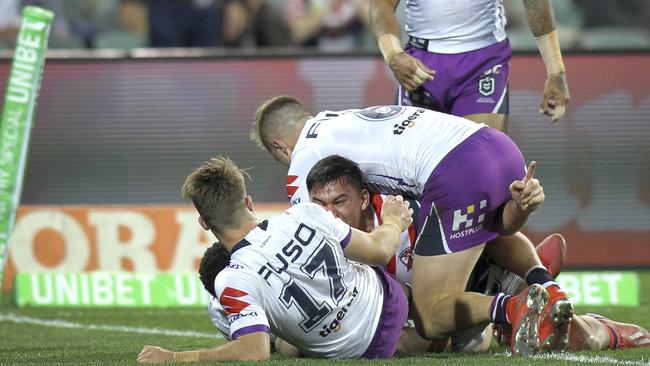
(334, 168)
(214, 260)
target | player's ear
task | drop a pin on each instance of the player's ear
(249, 203)
(278, 144)
(203, 224)
(365, 199)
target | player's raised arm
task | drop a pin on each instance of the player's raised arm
(556, 90)
(378, 246)
(409, 71)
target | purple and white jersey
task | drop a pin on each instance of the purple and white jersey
(455, 26)
(396, 147)
(289, 276)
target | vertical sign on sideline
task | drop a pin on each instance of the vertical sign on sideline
(23, 86)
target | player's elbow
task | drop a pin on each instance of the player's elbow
(254, 347)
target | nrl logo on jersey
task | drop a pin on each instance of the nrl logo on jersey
(486, 85)
(487, 82)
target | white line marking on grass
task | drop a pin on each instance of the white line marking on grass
(58, 323)
(590, 359)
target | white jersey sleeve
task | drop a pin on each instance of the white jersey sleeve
(218, 316)
(241, 301)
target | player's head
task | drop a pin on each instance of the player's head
(214, 260)
(218, 192)
(278, 123)
(336, 183)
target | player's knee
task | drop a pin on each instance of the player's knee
(431, 330)
(427, 326)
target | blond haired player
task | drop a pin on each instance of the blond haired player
(297, 274)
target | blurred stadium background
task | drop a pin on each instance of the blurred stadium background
(119, 126)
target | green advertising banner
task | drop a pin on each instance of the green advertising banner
(110, 289)
(184, 289)
(23, 86)
(601, 288)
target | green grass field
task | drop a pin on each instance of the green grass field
(66, 336)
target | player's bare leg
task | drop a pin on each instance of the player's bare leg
(587, 333)
(441, 303)
(498, 121)
(516, 253)
(595, 332)
(410, 343)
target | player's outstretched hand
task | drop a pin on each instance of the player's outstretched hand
(154, 354)
(395, 207)
(528, 194)
(409, 71)
(556, 96)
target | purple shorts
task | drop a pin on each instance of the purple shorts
(393, 315)
(466, 191)
(465, 83)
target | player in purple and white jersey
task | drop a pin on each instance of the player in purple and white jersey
(467, 199)
(298, 275)
(336, 183)
(457, 59)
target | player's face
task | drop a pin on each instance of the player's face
(343, 200)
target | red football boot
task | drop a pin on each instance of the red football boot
(624, 335)
(552, 253)
(555, 320)
(523, 312)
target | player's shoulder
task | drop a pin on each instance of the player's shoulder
(311, 215)
(307, 210)
(234, 273)
(328, 115)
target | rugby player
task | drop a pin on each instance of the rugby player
(467, 199)
(291, 275)
(336, 183)
(457, 59)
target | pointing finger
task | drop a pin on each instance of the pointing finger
(530, 171)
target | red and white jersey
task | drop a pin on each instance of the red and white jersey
(396, 147)
(289, 276)
(401, 263)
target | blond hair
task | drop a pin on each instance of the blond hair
(218, 191)
(277, 117)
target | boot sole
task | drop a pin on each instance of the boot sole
(561, 315)
(526, 339)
